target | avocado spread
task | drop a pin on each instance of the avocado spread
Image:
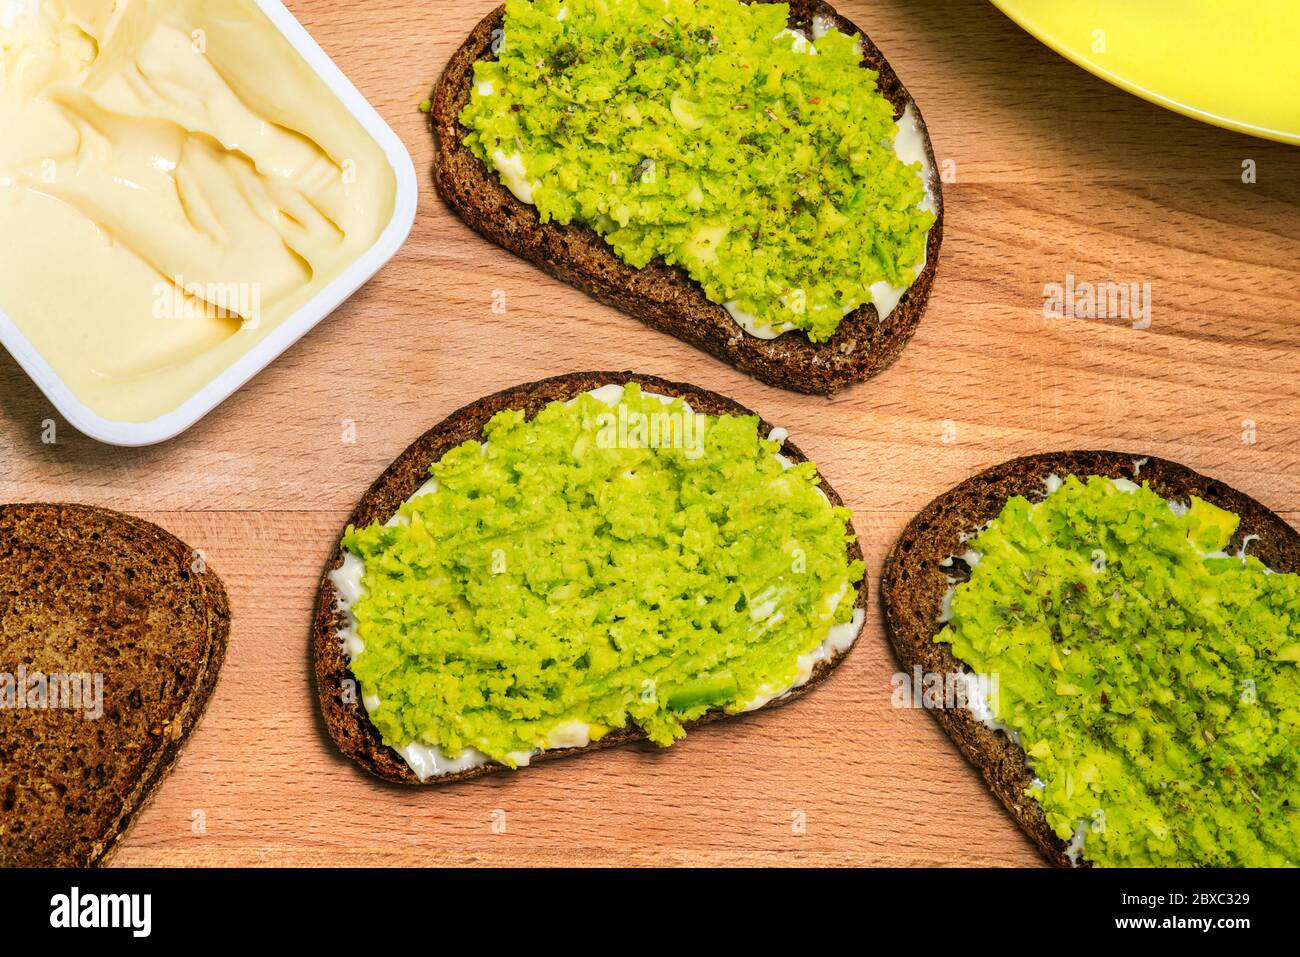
(709, 135)
(1152, 679)
(596, 567)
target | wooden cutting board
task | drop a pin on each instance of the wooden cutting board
(1052, 173)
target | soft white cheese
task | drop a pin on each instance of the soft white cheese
(753, 325)
(514, 175)
(910, 146)
(799, 41)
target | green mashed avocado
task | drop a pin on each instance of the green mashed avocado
(608, 566)
(704, 133)
(1152, 679)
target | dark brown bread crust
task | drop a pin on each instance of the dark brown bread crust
(346, 720)
(913, 585)
(90, 590)
(662, 296)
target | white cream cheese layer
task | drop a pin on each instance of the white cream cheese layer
(176, 182)
(430, 761)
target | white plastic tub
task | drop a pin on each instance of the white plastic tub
(291, 329)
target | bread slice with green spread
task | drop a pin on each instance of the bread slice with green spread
(112, 633)
(753, 179)
(578, 563)
(1123, 637)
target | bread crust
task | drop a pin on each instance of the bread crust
(344, 716)
(164, 566)
(662, 296)
(913, 584)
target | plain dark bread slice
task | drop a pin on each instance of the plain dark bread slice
(914, 582)
(345, 717)
(662, 296)
(87, 590)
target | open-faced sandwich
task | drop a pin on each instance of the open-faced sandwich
(752, 178)
(1123, 639)
(578, 563)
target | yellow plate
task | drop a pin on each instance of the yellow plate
(1234, 63)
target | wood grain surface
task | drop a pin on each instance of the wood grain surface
(1055, 173)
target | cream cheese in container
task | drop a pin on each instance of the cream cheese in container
(186, 188)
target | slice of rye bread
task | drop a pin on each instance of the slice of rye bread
(914, 582)
(662, 296)
(344, 716)
(90, 591)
